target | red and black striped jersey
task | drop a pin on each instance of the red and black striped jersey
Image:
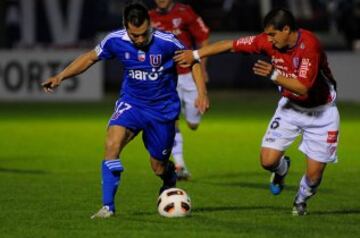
(306, 61)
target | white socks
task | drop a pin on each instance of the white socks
(306, 190)
(282, 167)
(177, 150)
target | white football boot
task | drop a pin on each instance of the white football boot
(103, 213)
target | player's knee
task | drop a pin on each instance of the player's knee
(268, 166)
(158, 172)
(267, 163)
(158, 168)
(269, 158)
(112, 147)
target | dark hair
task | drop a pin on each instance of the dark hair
(280, 17)
(135, 12)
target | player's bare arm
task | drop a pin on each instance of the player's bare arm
(266, 69)
(204, 61)
(187, 57)
(79, 65)
(202, 101)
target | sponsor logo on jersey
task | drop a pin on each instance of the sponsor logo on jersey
(270, 140)
(145, 75)
(155, 60)
(287, 75)
(245, 40)
(141, 56)
(165, 152)
(279, 63)
(304, 67)
(332, 136)
(277, 60)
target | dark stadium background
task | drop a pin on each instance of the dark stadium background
(336, 22)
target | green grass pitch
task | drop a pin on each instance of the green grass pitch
(50, 176)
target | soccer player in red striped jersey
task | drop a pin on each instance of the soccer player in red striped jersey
(190, 29)
(307, 107)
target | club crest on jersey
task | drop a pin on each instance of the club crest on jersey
(155, 60)
(176, 22)
(141, 56)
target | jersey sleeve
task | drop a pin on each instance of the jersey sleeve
(104, 49)
(309, 66)
(251, 44)
(177, 45)
(197, 27)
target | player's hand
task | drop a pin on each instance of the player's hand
(51, 84)
(202, 103)
(184, 58)
(263, 68)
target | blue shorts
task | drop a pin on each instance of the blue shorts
(158, 136)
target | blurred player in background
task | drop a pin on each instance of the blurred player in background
(299, 67)
(190, 29)
(148, 101)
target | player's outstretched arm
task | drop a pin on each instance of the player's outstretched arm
(266, 69)
(79, 65)
(202, 101)
(204, 61)
(185, 58)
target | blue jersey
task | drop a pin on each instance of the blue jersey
(150, 77)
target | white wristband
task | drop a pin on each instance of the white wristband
(196, 55)
(274, 75)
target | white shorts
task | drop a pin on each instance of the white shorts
(187, 92)
(319, 129)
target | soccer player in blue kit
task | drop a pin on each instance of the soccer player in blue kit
(148, 100)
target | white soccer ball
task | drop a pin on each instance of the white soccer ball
(174, 202)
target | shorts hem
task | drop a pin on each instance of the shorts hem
(316, 158)
(273, 147)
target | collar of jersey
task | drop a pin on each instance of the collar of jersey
(126, 37)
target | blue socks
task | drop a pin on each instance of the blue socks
(111, 172)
